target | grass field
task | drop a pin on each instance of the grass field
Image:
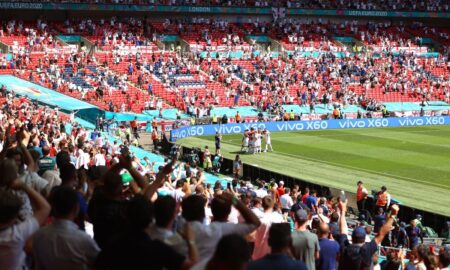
(413, 162)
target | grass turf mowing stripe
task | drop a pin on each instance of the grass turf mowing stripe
(405, 187)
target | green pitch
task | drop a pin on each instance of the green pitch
(413, 162)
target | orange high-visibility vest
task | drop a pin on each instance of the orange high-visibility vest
(382, 199)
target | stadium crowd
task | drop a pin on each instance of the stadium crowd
(128, 66)
(57, 177)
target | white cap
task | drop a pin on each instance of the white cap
(281, 183)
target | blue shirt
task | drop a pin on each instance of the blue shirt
(329, 249)
(278, 261)
(310, 201)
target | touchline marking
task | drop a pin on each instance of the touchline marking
(356, 168)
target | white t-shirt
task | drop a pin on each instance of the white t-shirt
(262, 234)
(33, 180)
(286, 201)
(207, 236)
(12, 242)
(99, 160)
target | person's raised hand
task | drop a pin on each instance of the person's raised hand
(188, 232)
(342, 205)
(17, 184)
(395, 209)
(169, 166)
(125, 161)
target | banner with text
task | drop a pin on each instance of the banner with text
(280, 12)
(205, 130)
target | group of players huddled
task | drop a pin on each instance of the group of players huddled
(252, 141)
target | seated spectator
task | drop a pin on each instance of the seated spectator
(280, 241)
(62, 245)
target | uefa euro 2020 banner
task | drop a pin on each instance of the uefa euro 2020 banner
(204, 130)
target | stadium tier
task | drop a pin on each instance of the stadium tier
(225, 134)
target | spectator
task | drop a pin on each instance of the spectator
(286, 200)
(262, 233)
(135, 250)
(280, 241)
(207, 236)
(62, 245)
(165, 211)
(69, 179)
(414, 235)
(329, 249)
(311, 201)
(13, 234)
(107, 206)
(358, 255)
(379, 220)
(305, 244)
(232, 253)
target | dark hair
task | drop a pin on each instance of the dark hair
(444, 259)
(112, 183)
(67, 172)
(63, 157)
(164, 210)
(279, 236)
(334, 217)
(392, 262)
(45, 150)
(233, 250)
(193, 208)
(139, 213)
(10, 205)
(267, 202)
(220, 209)
(10, 153)
(63, 201)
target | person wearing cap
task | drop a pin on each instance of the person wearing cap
(280, 241)
(305, 244)
(281, 189)
(361, 196)
(383, 198)
(358, 254)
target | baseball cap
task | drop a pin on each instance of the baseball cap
(281, 182)
(359, 233)
(301, 215)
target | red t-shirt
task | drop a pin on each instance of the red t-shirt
(280, 191)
